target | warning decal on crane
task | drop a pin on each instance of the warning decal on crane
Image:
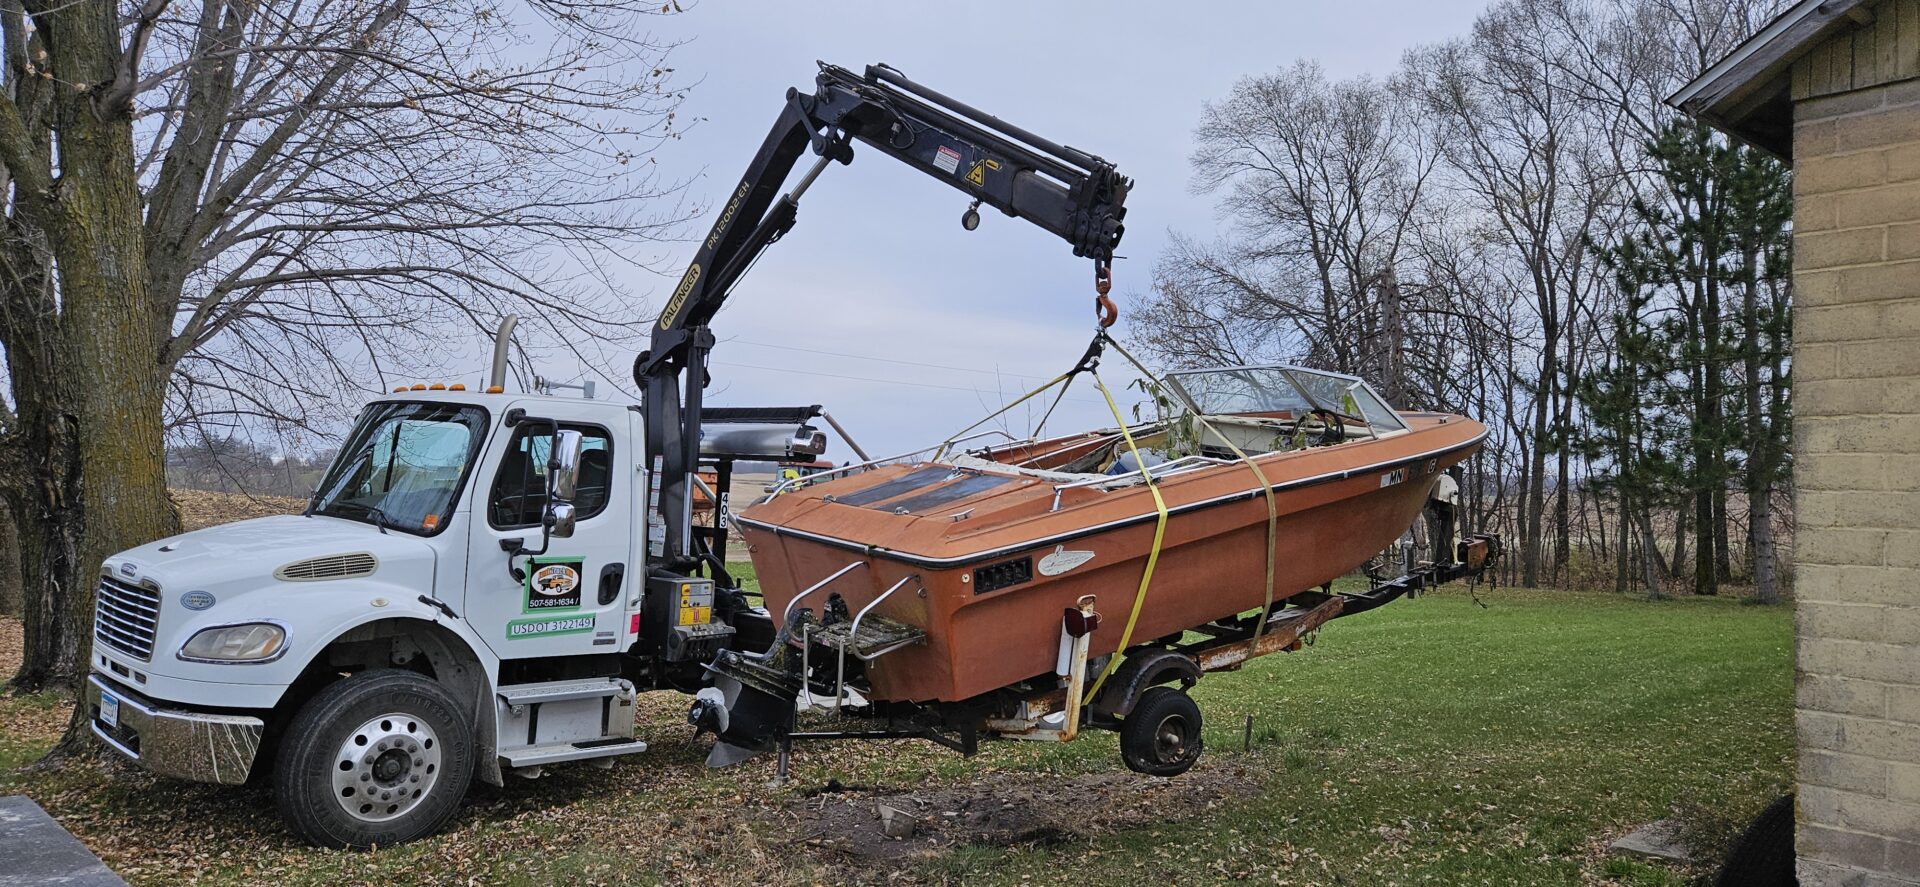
(947, 159)
(978, 174)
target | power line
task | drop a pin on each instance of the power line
(749, 366)
(911, 363)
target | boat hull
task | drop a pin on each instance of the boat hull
(990, 599)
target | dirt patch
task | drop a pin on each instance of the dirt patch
(1007, 809)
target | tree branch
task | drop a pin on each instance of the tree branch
(117, 98)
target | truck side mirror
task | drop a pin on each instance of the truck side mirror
(563, 481)
(560, 520)
(563, 466)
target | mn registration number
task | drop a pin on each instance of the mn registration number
(109, 709)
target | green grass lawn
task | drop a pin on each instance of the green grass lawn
(1432, 741)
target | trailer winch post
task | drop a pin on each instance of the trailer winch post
(1079, 625)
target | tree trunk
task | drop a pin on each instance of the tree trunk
(11, 596)
(1620, 565)
(1682, 525)
(1705, 578)
(1562, 515)
(1760, 449)
(43, 471)
(106, 447)
(1722, 546)
(1649, 548)
(1534, 503)
(1710, 449)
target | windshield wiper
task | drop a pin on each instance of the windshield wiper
(375, 514)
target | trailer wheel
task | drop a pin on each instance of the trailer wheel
(1161, 736)
(379, 758)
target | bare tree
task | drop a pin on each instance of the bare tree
(1322, 181)
(1438, 233)
(232, 211)
(1534, 160)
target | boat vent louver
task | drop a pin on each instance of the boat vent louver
(332, 566)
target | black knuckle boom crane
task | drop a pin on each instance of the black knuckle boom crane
(1073, 194)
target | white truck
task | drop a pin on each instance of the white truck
(461, 599)
(483, 581)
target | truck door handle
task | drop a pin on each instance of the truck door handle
(610, 576)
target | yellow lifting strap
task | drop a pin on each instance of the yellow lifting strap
(1088, 364)
(1266, 487)
(1153, 555)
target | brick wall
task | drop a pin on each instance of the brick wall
(1857, 448)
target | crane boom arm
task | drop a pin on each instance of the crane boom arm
(1075, 195)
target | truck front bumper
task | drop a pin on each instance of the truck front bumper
(181, 744)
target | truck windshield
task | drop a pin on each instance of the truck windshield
(402, 466)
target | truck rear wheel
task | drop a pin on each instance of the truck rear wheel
(379, 758)
(1161, 736)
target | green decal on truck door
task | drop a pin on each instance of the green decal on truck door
(553, 584)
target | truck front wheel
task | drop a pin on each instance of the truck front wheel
(379, 758)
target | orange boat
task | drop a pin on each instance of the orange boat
(940, 584)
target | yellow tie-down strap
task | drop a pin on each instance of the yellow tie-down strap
(1153, 555)
(1160, 523)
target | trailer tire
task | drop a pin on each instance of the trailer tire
(1161, 736)
(380, 758)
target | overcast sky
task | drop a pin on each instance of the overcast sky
(914, 327)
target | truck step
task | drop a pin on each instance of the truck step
(562, 691)
(559, 752)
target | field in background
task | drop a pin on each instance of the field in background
(1431, 741)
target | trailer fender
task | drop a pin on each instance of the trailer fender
(1142, 669)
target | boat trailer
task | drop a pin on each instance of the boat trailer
(755, 703)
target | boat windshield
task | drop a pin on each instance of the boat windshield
(1284, 391)
(402, 466)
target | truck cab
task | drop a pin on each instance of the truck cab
(466, 596)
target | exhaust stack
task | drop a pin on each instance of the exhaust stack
(502, 338)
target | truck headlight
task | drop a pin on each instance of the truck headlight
(248, 642)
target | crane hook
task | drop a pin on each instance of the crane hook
(1103, 307)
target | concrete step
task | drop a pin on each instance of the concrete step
(34, 849)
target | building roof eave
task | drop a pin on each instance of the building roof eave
(1746, 93)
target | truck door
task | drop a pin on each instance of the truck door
(571, 598)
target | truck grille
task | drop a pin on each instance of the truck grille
(125, 617)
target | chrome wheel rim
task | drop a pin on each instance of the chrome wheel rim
(386, 767)
(1170, 738)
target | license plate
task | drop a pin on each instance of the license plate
(109, 709)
